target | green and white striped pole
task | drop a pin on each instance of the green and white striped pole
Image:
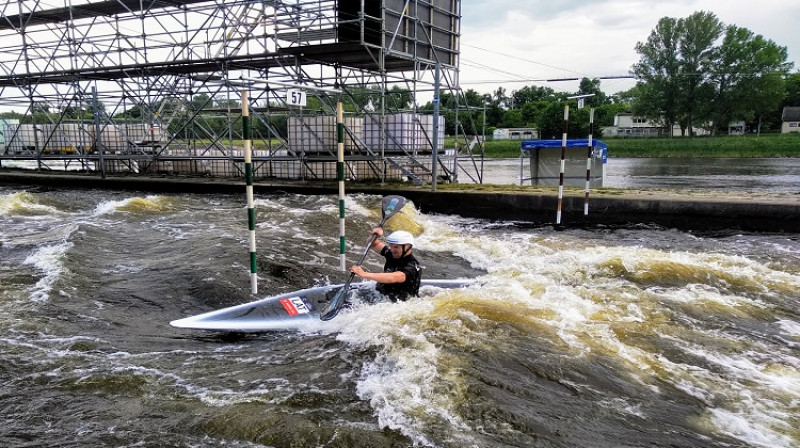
(251, 210)
(340, 177)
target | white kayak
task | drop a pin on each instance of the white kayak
(292, 310)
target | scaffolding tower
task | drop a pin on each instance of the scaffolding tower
(154, 86)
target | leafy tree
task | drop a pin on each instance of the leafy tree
(470, 111)
(135, 112)
(673, 70)
(399, 99)
(201, 101)
(792, 98)
(512, 119)
(748, 75)
(551, 124)
(11, 115)
(699, 33)
(626, 97)
(532, 111)
(499, 98)
(534, 93)
(604, 115)
(689, 76)
(359, 98)
(224, 104)
(658, 72)
(592, 86)
(494, 114)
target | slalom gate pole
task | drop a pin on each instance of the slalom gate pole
(563, 164)
(340, 177)
(589, 153)
(248, 172)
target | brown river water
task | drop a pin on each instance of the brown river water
(607, 337)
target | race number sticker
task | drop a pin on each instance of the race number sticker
(294, 306)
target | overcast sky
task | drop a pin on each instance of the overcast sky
(511, 43)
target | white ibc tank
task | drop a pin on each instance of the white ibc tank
(316, 134)
(404, 132)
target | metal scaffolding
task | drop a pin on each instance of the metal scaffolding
(153, 86)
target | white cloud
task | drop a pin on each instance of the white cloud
(539, 40)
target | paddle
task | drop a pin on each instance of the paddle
(389, 206)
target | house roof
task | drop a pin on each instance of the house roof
(791, 114)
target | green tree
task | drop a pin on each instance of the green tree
(499, 98)
(658, 72)
(688, 75)
(358, 98)
(626, 96)
(792, 98)
(201, 101)
(699, 32)
(534, 93)
(748, 75)
(494, 114)
(469, 105)
(512, 119)
(11, 115)
(551, 124)
(399, 98)
(532, 111)
(673, 70)
(592, 87)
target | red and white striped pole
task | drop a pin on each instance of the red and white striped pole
(563, 164)
(589, 154)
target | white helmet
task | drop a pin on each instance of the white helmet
(400, 237)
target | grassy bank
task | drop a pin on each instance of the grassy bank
(766, 145)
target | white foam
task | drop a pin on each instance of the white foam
(408, 384)
(790, 327)
(25, 203)
(110, 207)
(751, 429)
(48, 260)
(541, 273)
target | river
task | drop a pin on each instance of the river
(765, 175)
(606, 337)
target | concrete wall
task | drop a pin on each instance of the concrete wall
(671, 211)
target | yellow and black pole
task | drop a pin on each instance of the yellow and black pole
(251, 210)
(340, 177)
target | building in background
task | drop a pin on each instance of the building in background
(790, 119)
(630, 125)
(515, 134)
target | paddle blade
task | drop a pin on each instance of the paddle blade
(335, 304)
(391, 205)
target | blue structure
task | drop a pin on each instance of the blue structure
(545, 162)
(574, 143)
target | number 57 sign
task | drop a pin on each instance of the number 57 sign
(296, 97)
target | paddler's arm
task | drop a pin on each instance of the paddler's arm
(377, 244)
(380, 277)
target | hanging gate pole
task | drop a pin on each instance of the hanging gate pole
(589, 154)
(340, 177)
(563, 164)
(251, 210)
